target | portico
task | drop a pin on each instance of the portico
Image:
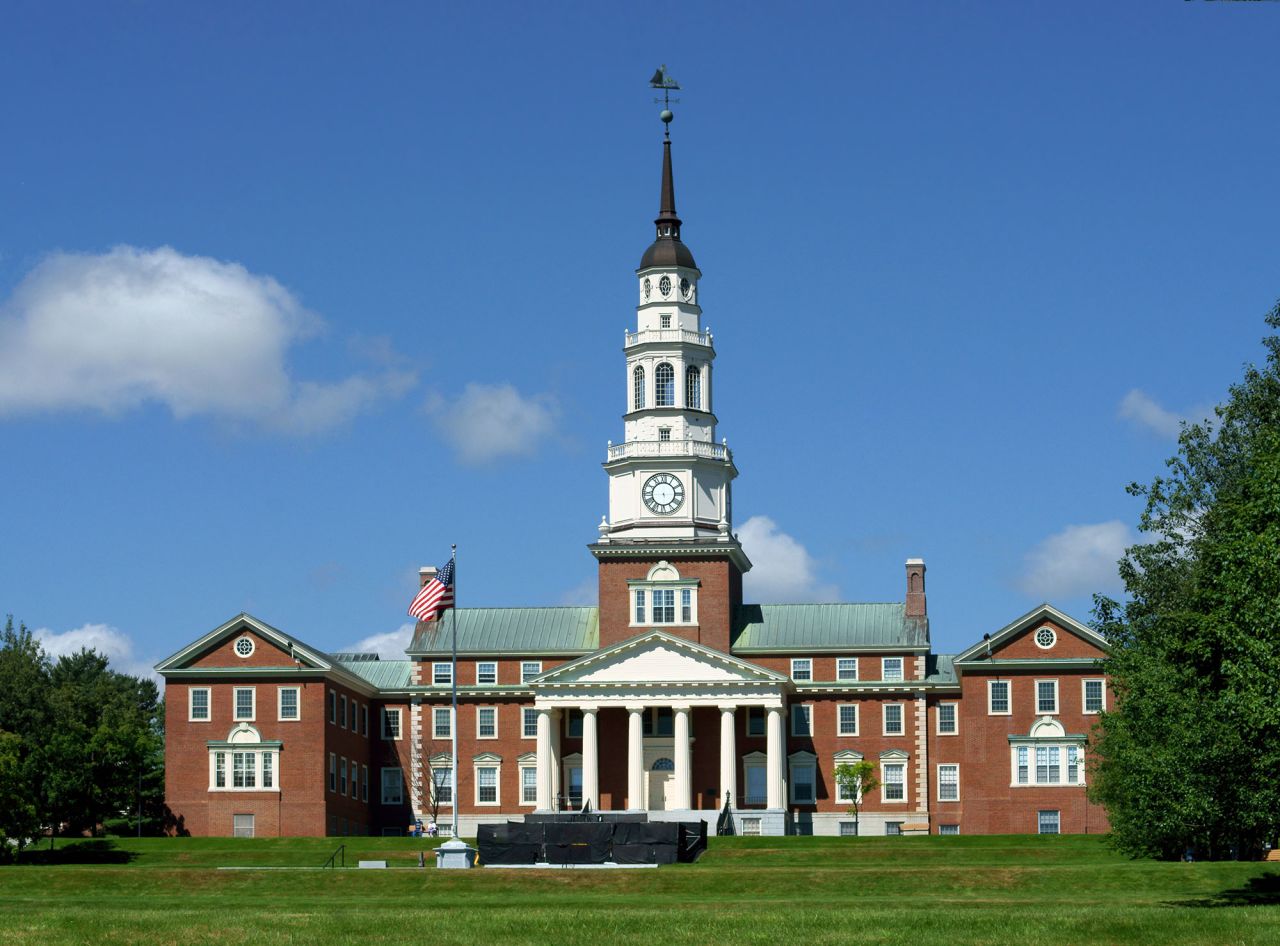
(659, 681)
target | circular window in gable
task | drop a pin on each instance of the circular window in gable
(1046, 638)
(244, 647)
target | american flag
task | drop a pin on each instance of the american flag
(435, 596)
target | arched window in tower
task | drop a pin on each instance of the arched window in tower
(693, 388)
(637, 388)
(664, 386)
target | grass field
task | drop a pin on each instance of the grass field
(1010, 891)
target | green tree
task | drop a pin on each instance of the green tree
(853, 779)
(1189, 757)
(25, 722)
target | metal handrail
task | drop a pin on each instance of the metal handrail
(341, 854)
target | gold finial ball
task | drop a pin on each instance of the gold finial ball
(666, 116)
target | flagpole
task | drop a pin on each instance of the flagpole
(453, 675)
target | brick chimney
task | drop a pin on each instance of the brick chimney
(425, 574)
(916, 607)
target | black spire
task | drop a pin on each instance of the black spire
(667, 250)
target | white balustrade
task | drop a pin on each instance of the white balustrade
(669, 448)
(668, 335)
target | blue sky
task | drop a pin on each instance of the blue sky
(293, 296)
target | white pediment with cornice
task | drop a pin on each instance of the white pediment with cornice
(657, 658)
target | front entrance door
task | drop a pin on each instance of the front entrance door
(662, 784)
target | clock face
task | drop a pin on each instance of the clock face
(647, 287)
(664, 285)
(663, 493)
(686, 288)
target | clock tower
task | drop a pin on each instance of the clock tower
(670, 501)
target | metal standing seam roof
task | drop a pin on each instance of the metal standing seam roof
(940, 669)
(512, 631)
(806, 626)
(382, 674)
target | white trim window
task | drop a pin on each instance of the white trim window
(333, 771)
(1049, 821)
(342, 775)
(392, 785)
(949, 829)
(442, 781)
(801, 720)
(441, 674)
(486, 722)
(364, 720)
(755, 722)
(755, 778)
(288, 708)
(199, 705)
(390, 723)
(245, 646)
(846, 668)
(488, 782)
(1093, 696)
(244, 700)
(948, 719)
(441, 722)
(1046, 697)
(893, 782)
(529, 669)
(891, 669)
(801, 669)
(893, 715)
(528, 722)
(847, 719)
(528, 783)
(342, 711)
(998, 699)
(573, 723)
(804, 778)
(663, 598)
(364, 783)
(1037, 764)
(486, 673)
(847, 757)
(948, 781)
(333, 707)
(244, 764)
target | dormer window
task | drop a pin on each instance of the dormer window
(663, 598)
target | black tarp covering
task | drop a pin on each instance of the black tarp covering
(591, 842)
(583, 842)
(693, 840)
(511, 843)
(651, 842)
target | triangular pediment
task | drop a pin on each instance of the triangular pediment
(655, 658)
(271, 647)
(993, 644)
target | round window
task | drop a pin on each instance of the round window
(244, 647)
(1045, 638)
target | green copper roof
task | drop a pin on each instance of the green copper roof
(512, 631)
(940, 669)
(797, 627)
(383, 674)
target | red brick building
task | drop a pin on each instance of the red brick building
(673, 696)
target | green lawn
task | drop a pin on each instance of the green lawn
(1005, 891)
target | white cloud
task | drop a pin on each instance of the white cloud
(388, 646)
(1078, 560)
(782, 570)
(489, 421)
(585, 593)
(1143, 410)
(108, 641)
(113, 331)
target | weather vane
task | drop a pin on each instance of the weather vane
(664, 82)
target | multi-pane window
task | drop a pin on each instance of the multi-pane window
(891, 669)
(442, 780)
(755, 720)
(333, 707)
(847, 719)
(757, 781)
(801, 668)
(364, 783)
(664, 434)
(664, 320)
(951, 829)
(251, 769)
(342, 776)
(1095, 700)
(486, 673)
(342, 712)
(802, 720)
(364, 720)
(243, 765)
(803, 776)
(268, 769)
(893, 719)
(530, 669)
(392, 786)
(244, 702)
(220, 770)
(848, 829)
(946, 719)
(637, 389)
(693, 388)
(528, 785)
(441, 674)
(529, 723)
(686, 606)
(847, 668)
(664, 386)
(288, 703)
(441, 722)
(998, 697)
(948, 782)
(664, 606)
(486, 722)
(1047, 765)
(1046, 696)
(486, 785)
(573, 724)
(333, 772)
(641, 605)
(199, 706)
(1048, 822)
(894, 778)
(390, 723)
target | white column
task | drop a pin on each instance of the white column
(728, 757)
(681, 714)
(557, 763)
(544, 759)
(773, 748)
(590, 759)
(635, 758)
